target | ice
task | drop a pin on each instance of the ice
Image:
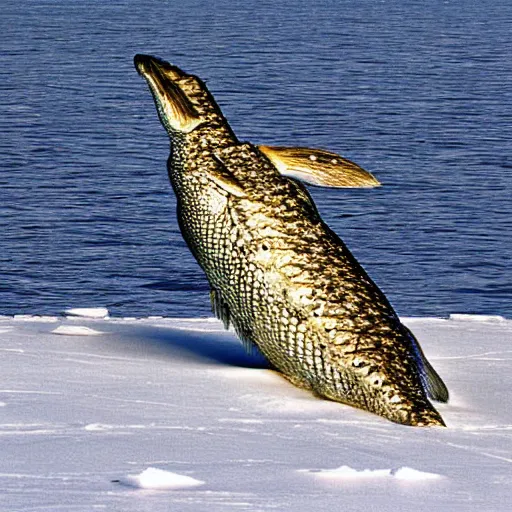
(160, 480)
(346, 473)
(182, 397)
(76, 330)
(460, 317)
(87, 312)
(413, 475)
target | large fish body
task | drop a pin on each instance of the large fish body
(278, 273)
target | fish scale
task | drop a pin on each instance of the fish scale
(284, 280)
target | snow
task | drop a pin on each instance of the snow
(87, 312)
(75, 330)
(159, 480)
(413, 475)
(155, 403)
(476, 318)
(345, 473)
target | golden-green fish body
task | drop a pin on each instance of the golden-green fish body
(278, 273)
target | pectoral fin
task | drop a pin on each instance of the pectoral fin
(225, 180)
(318, 167)
(221, 310)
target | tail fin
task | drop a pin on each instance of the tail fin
(434, 386)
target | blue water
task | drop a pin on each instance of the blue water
(420, 93)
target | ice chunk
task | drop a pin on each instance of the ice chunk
(87, 312)
(75, 330)
(346, 473)
(36, 318)
(413, 475)
(476, 318)
(159, 479)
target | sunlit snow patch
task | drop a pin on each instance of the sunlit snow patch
(159, 479)
(460, 317)
(346, 473)
(87, 312)
(413, 475)
(36, 318)
(75, 330)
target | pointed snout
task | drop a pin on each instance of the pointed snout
(145, 64)
(142, 62)
(174, 108)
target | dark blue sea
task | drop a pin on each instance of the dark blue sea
(419, 93)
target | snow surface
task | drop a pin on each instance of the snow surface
(159, 480)
(75, 330)
(348, 473)
(81, 415)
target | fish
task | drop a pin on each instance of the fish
(278, 274)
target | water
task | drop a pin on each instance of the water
(419, 93)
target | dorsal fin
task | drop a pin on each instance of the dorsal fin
(318, 167)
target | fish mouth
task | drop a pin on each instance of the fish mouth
(176, 111)
(150, 64)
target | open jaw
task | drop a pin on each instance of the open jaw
(175, 110)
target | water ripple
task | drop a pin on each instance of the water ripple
(419, 94)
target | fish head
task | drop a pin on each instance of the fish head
(183, 101)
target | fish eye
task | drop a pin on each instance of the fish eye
(377, 381)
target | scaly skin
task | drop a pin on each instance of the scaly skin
(278, 274)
